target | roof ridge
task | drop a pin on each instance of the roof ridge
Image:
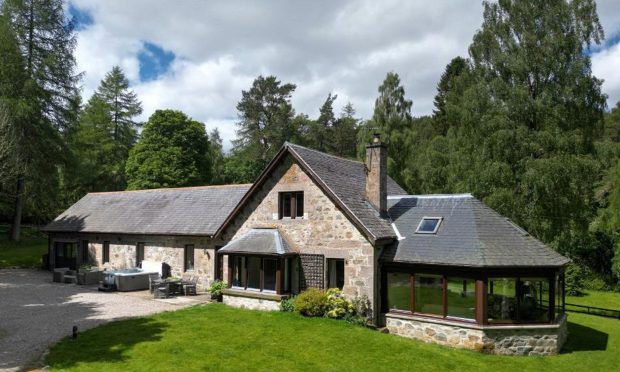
(436, 196)
(238, 185)
(289, 144)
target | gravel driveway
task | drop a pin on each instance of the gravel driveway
(35, 313)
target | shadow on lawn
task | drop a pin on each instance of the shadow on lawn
(582, 338)
(108, 343)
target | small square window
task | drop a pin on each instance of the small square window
(291, 204)
(429, 225)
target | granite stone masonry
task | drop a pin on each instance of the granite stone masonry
(251, 303)
(324, 229)
(544, 339)
(166, 249)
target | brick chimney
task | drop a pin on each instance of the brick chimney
(376, 174)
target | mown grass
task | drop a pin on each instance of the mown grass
(25, 253)
(217, 337)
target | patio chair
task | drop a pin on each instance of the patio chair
(162, 290)
(189, 286)
(154, 281)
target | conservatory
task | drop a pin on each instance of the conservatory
(462, 275)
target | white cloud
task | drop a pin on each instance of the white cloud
(344, 47)
(606, 64)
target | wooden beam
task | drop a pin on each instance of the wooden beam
(279, 276)
(481, 301)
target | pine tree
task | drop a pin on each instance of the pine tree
(392, 119)
(124, 106)
(265, 123)
(265, 118)
(216, 154)
(100, 143)
(345, 133)
(46, 42)
(320, 133)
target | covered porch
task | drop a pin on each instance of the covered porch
(259, 270)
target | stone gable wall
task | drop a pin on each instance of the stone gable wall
(324, 229)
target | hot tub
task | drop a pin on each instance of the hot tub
(129, 279)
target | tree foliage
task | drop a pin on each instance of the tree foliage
(392, 119)
(49, 100)
(101, 141)
(173, 151)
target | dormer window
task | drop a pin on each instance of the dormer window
(291, 205)
(429, 225)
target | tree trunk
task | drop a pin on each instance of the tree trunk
(19, 204)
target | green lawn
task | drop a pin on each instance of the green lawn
(26, 253)
(219, 337)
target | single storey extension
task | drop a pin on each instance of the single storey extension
(439, 268)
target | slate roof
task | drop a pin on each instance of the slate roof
(343, 180)
(259, 241)
(175, 211)
(471, 234)
(346, 179)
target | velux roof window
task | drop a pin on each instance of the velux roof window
(429, 225)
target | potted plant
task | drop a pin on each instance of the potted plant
(216, 290)
(81, 274)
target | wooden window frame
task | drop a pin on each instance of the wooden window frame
(279, 273)
(294, 196)
(105, 252)
(189, 248)
(328, 260)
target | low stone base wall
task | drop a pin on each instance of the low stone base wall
(544, 339)
(251, 303)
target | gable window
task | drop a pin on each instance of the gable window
(429, 225)
(106, 252)
(335, 273)
(189, 257)
(139, 254)
(291, 204)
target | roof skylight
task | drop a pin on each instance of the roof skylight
(429, 225)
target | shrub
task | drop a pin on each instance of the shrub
(338, 306)
(216, 288)
(574, 278)
(288, 304)
(312, 302)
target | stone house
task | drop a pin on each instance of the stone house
(440, 268)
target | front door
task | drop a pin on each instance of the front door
(65, 255)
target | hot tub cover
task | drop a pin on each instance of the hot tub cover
(259, 241)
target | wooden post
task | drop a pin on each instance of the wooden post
(279, 276)
(412, 292)
(230, 270)
(552, 289)
(481, 301)
(444, 295)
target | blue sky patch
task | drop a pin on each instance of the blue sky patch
(154, 61)
(81, 18)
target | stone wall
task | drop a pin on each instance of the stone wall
(324, 229)
(168, 249)
(251, 303)
(544, 339)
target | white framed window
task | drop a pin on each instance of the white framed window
(429, 225)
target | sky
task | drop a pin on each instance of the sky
(197, 56)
